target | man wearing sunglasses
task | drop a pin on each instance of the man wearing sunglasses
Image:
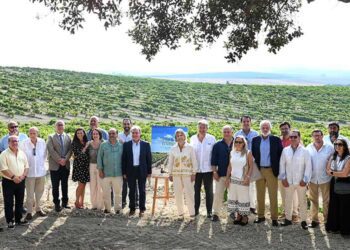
(295, 173)
(12, 127)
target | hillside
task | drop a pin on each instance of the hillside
(42, 93)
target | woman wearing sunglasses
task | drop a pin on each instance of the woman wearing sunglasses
(339, 203)
(238, 180)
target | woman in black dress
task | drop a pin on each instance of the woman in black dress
(338, 220)
(80, 165)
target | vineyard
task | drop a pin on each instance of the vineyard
(56, 93)
(75, 96)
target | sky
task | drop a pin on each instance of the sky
(29, 41)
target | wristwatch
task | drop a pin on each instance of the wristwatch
(12, 177)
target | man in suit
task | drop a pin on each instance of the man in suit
(137, 166)
(59, 152)
(267, 150)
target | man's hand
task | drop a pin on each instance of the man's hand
(193, 178)
(302, 184)
(285, 183)
(17, 179)
(62, 162)
(227, 182)
(124, 176)
(101, 174)
(216, 176)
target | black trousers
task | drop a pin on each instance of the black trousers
(207, 180)
(125, 193)
(61, 175)
(13, 191)
(141, 183)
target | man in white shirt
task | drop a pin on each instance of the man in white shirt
(295, 173)
(203, 143)
(35, 150)
(333, 130)
(249, 134)
(320, 180)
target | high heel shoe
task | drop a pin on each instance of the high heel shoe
(244, 221)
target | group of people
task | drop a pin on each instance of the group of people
(244, 163)
(112, 163)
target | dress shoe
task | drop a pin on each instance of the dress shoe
(286, 223)
(196, 213)
(253, 210)
(106, 211)
(275, 223)
(28, 217)
(215, 218)
(209, 215)
(259, 220)
(304, 225)
(1, 229)
(41, 213)
(123, 205)
(132, 212)
(65, 206)
(117, 212)
(314, 224)
(141, 214)
(58, 209)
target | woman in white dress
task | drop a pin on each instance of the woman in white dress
(238, 180)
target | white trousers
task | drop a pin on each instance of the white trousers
(184, 187)
(35, 186)
(116, 183)
(96, 193)
(301, 192)
(219, 195)
(283, 198)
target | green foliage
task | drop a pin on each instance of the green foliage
(159, 23)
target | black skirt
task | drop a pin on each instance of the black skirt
(339, 210)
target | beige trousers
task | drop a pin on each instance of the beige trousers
(219, 195)
(184, 187)
(270, 181)
(116, 183)
(96, 193)
(283, 198)
(314, 195)
(35, 186)
(301, 192)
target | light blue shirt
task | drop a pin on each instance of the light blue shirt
(249, 137)
(136, 153)
(109, 159)
(265, 160)
(4, 144)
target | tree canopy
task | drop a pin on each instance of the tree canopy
(244, 24)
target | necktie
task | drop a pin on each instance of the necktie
(62, 146)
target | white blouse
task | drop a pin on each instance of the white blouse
(238, 162)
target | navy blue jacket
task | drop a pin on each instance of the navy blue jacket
(145, 159)
(220, 156)
(275, 152)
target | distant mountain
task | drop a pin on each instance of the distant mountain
(296, 77)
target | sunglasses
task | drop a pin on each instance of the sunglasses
(12, 127)
(338, 145)
(293, 137)
(239, 142)
(34, 151)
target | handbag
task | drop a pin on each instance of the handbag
(341, 187)
(255, 175)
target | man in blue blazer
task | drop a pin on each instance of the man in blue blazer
(267, 150)
(137, 166)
